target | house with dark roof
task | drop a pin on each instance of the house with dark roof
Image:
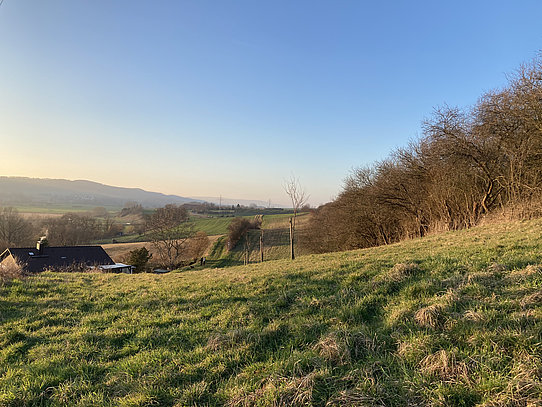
(41, 258)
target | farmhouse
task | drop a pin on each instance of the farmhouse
(34, 260)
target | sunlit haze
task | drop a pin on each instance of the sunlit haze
(210, 98)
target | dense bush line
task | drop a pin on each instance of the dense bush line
(239, 227)
(468, 163)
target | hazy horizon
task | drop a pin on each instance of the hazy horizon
(232, 98)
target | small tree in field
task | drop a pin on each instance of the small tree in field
(299, 198)
(169, 230)
(139, 259)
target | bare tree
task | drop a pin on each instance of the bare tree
(169, 229)
(72, 229)
(14, 229)
(299, 198)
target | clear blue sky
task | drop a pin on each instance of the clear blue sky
(208, 98)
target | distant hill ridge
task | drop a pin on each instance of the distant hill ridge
(45, 191)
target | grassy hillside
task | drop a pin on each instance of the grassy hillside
(449, 320)
(276, 243)
(276, 240)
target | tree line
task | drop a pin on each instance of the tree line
(468, 164)
(169, 230)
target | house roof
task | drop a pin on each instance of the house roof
(32, 260)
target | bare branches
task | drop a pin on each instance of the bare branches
(299, 198)
(170, 230)
(297, 194)
(468, 164)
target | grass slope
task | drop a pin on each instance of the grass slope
(449, 320)
(276, 242)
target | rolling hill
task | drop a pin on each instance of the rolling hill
(20, 191)
(448, 320)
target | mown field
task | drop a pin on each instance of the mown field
(449, 320)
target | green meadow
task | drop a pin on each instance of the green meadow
(448, 320)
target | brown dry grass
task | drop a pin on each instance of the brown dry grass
(333, 349)
(443, 364)
(284, 392)
(397, 273)
(354, 398)
(523, 388)
(532, 299)
(402, 270)
(431, 316)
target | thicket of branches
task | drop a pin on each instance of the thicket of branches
(238, 229)
(170, 230)
(468, 164)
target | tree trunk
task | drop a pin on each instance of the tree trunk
(292, 256)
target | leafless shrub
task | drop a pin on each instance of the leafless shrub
(431, 316)
(469, 165)
(239, 228)
(521, 210)
(10, 271)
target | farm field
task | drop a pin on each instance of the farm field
(52, 210)
(118, 251)
(449, 320)
(276, 232)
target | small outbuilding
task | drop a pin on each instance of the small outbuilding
(117, 268)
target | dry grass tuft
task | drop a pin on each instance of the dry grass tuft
(285, 391)
(532, 299)
(532, 269)
(217, 340)
(522, 390)
(400, 271)
(415, 348)
(297, 391)
(443, 364)
(431, 316)
(450, 297)
(332, 348)
(474, 316)
(353, 397)
(496, 268)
